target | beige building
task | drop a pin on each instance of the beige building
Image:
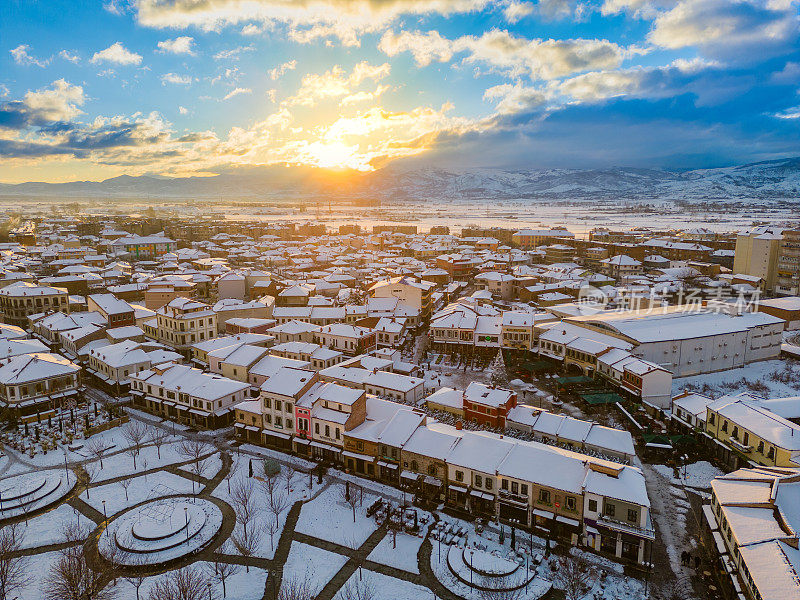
(19, 300)
(757, 254)
(184, 322)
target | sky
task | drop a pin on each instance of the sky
(95, 89)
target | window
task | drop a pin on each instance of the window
(316, 428)
(478, 481)
(725, 426)
(289, 407)
(267, 403)
(504, 484)
(514, 487)
(278, 404)
(459, 475)
(524, 489)
(544, 497)
(711, 419)
(288, 423)
(761, 447)
(278, 422)
(771, 453)
(633, 515)
(571, 504)
(432, 470)
(592, 505)
(611, 510)
(327, 431)
(489, 483)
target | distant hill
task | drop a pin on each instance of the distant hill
(776, 179)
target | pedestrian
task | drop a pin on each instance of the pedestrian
(697, 562)
(683, 558)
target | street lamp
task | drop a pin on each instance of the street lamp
(186, 519)
(105, 518)
(66, 466)
(209, 591)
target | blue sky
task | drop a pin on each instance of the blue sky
(90, 90)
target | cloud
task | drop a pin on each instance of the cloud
(59, 102)
(23, 57)
(116, 53)
(233, 52)
(335, 83)
(178, 45)
(514, 10)
(509, 54)
(307, 19)
(743, 30)
(252, 29)
(279, 71)
(237, 92)
(515, 98)
(183, 110)
(117, 7)
(642, 9)
(176, 79)
(72, 57)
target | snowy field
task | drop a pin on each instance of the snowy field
(329, 517)
(769, 378)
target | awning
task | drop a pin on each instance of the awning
(300, 440)
(199, 413)
(482, 495)
(409, 475)
(431, 480)
(590, 529)
(165, 402)
(388, 465)
(358, 456)
(708, 513)
(250, 427)
(568, 521)
(240, 425)
(277, 434)
(719, 543)
(325, 446)
(543, 513)
(458, 488)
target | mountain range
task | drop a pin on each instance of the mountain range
(775, 179)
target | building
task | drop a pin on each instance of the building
(117, 313)
(20, 300)
(757, 252)
(182, 323)
(488, 405)
(753, 524)
(689, 340)
(412, 292)
(144, 246)
(529, 239)
(348, 339)
(187, 395)
(786, 308)
(37, 382)
(788, 275)
(754, 433)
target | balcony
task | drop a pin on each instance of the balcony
(737, 445)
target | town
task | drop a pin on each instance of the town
(291, 410)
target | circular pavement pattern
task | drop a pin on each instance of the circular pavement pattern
(29, 493)
(161, 530)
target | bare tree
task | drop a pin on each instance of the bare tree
(134, 433)
(230, 475)
(188, 583)
(70, 576)
(277, 502)
(358, 589)
(196, 451)
(126, 483)
(136, 580)
(13, 576)
(294, 588)
(220, 571)
(349, 496)
(97, 447)
(245, 506)
(288, 473)
(158, 437)
(575, 576)
(89, 471)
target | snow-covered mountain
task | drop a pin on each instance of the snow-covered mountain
(777, 179)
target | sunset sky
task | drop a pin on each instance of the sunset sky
(91, 90)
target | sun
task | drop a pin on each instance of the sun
(337, 155)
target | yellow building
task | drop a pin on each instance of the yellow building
(757, 253)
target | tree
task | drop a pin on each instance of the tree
(188, 583)
(358, 589)
(277, 502)
(195, 451)
(126, 483)
(158, 437)
(294, 588)
(134, 433)
(289, 472)
(498, 374)
(97, 447)
(230, 475)
(71, 578)
(136, 580)
(13, 575)
(575, 576)
(222, 571)
(249, 530)
(349, 497)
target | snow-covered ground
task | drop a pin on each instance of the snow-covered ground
(696, 475)
(769, 378)
(383, 587)
(403, 556)
(312, 565)
(144, 487)
(329, 517)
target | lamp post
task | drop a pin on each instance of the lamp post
(105, 518)
(186, 520)
(66, 466)
(209, 591)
